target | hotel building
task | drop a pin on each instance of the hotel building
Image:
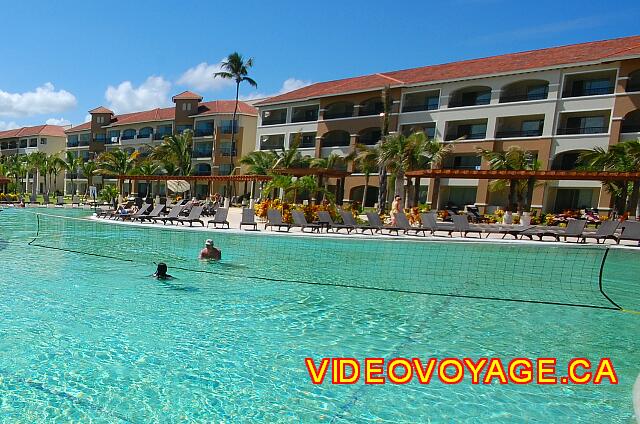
(554, 102)
(211, 124)
(49, 139)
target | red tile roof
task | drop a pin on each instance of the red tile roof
(226, 106)
(101, 109)
(187, 95)
(597, 51)
(168, 114)
(41, 130)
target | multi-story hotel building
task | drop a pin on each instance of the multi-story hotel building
(210, 122)
(49, 139)
(555, 102)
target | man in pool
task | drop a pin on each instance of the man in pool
(161, 272)
(210, 252)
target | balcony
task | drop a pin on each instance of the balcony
(161, 136)
(274, 117)
(203, 132)
(228, 128)
(371, 107)
(73, 143)
(128, 137)
(589, 84)
(471, 96)
(339, 110)
(523, 97)
(582, 130)
(202, 153)
(523, 91)
(519, 133)
(422, 101)
(305, 114)
(112, 140)
(144, 136)
(468, 130)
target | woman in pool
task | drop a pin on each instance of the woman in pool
(161, 272)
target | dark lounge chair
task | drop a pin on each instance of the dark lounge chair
(630, 231)
(376, 222)
(299, 220)
(194, 216)
(430, 222)
(403, 222)
(153, 214)
(461, 224)
(249, 218)
(172, 216)
(274, 219)
(348, 219)
(606, 230)
(220, 218)
(144, 210)
(325, 218)
(574, 228)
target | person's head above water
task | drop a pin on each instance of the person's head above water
(161, 271)
(208, 243)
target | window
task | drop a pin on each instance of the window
(472, 131)
(586, 124)
(145, 132)
(306, 139)
(274, 117)
(43, 141)
(414, 102)
(33, 142)
(226, 126)
(225, 169)
(100, 119)
(466, 162)
(162, 131)
(182, 128)
(227, 149)
(537, 92)
(186, 107)
(305, 113)
(204, 128)
(129, 134)
(428, 129)
(85, 137)
(272, 142)
(532, 128)
(23, 143)
(72, 140)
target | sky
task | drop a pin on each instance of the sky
(58, 60)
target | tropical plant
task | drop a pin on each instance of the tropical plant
(34, 162)
(117, 162)
(515, 158)
(88, 168)
(366, 161)
(109, 193)
(71, 162)
(259, 162)
(382, 171)
(237, 69)
(332, 162)
(177, 149)
(148, 167)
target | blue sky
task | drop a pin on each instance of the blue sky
(61, 59)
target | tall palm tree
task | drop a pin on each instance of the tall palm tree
(237, 69)
(88, 168)
(397, 155)
(117, 162)
(259, 162)
(331, 162)
(431, 153)
(55, 167)
(366, 160)
(148, 167)
(71, 163)
(382, 171)
(34, 162)
(176, 148)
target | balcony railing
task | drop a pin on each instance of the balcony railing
(418, 108)
(206, 132)
(471, 136)
(202, 153)
(127, 137)
(462, 103)
(273, 121)
(338, 115)
(72, 144)
(583, 130)
(523, 97)
(630, 128)
(266, 145)
(590, 92)
(521, 133)
(144, 136)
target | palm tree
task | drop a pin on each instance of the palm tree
(55, 166)
(366, 160)
(259, 163)
(88, 168)
(331, 162)
(513, 159)
(16, 168)
(34, 162)
(427, 152)
(176, 148)
(71, 163)
(148, 167)
(397, 154)
(117, 162)
(237, 69)
(382, 171)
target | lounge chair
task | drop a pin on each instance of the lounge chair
(194, 216)
(59, 200)
(630, 231)
(606, 230)
(220, 218)
(325, 218)
(461, 225)
(153, 214)
(299, 220)
(348, 219)
(376, 222)
(274, 219)
(75, 200)
(33, 198)
(46, 199)
(574, 228)
(172, 216)
(403, 222)
(430, 223)
(249, 218)
(144, 209)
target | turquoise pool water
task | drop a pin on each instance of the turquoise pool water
(91, 339)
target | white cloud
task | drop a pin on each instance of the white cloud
(8, 125)
(289, 84)
(45, 99)
(87, 118)
(57, 121)
(152, 93)
(200, 77)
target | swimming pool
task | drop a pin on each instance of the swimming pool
(93, 338)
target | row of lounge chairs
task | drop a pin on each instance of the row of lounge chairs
(146, 214)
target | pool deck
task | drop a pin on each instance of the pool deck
(235, 215)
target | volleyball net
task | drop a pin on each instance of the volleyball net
(523, 272)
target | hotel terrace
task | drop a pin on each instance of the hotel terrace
(211, 123)
(49, 139)
(554, 102)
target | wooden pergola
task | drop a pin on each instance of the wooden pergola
(339, 175)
